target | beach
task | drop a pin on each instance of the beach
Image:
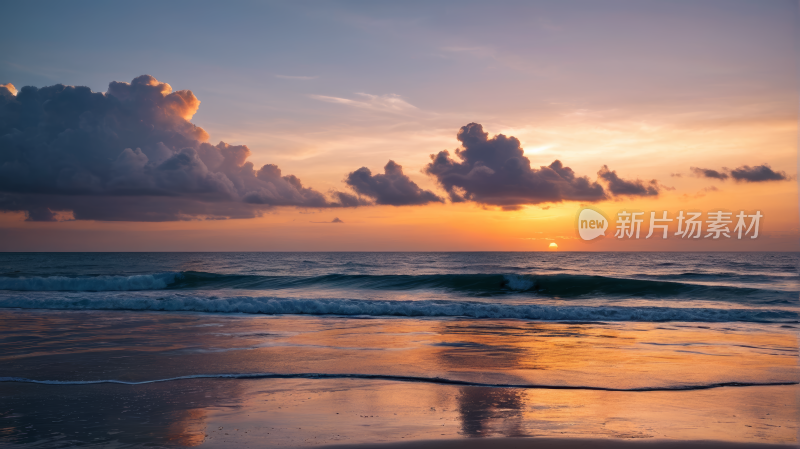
(667, 350)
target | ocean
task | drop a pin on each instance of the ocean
(309, 349)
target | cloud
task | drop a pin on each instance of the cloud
(496, 172)
(335, 220)
(745, 173)
(758, 173)
(8, 90)
(129, 154)
(349, 200)
(619, 186)
(708, 173)
(382, 103)
(391, 188)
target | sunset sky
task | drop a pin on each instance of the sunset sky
(648, 105)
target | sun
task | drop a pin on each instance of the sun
(553, 246)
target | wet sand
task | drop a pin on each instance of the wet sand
(554, 443)
(221, 412)
(289, 413)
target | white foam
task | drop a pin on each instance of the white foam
(517, 282)
(351, 307)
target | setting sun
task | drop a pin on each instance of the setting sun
(553, 246)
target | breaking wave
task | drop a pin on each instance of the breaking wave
(90, 283)
(382, 308)
(551, 285)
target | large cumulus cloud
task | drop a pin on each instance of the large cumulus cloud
(129, 154)
(495, 171)
(393, 187)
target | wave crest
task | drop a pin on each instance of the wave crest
(466, 285)
(564, 285)
(156, 281)
(380, 308)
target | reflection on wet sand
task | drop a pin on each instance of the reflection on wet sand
(604, 355)
(491, 411)
(569, 349)
(304, 412)
(65, 415)
(486, 411)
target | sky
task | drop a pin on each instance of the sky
(394, 126)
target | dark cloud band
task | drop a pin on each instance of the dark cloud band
(758, 173)
(745, 173)
(133, 154)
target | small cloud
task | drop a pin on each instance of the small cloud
(383, 103)
(619, 186)
(759, 173)
(709, 173)
(291, 77)
(745, 173)
(676, 175)
(393, 187)
(335, 220)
